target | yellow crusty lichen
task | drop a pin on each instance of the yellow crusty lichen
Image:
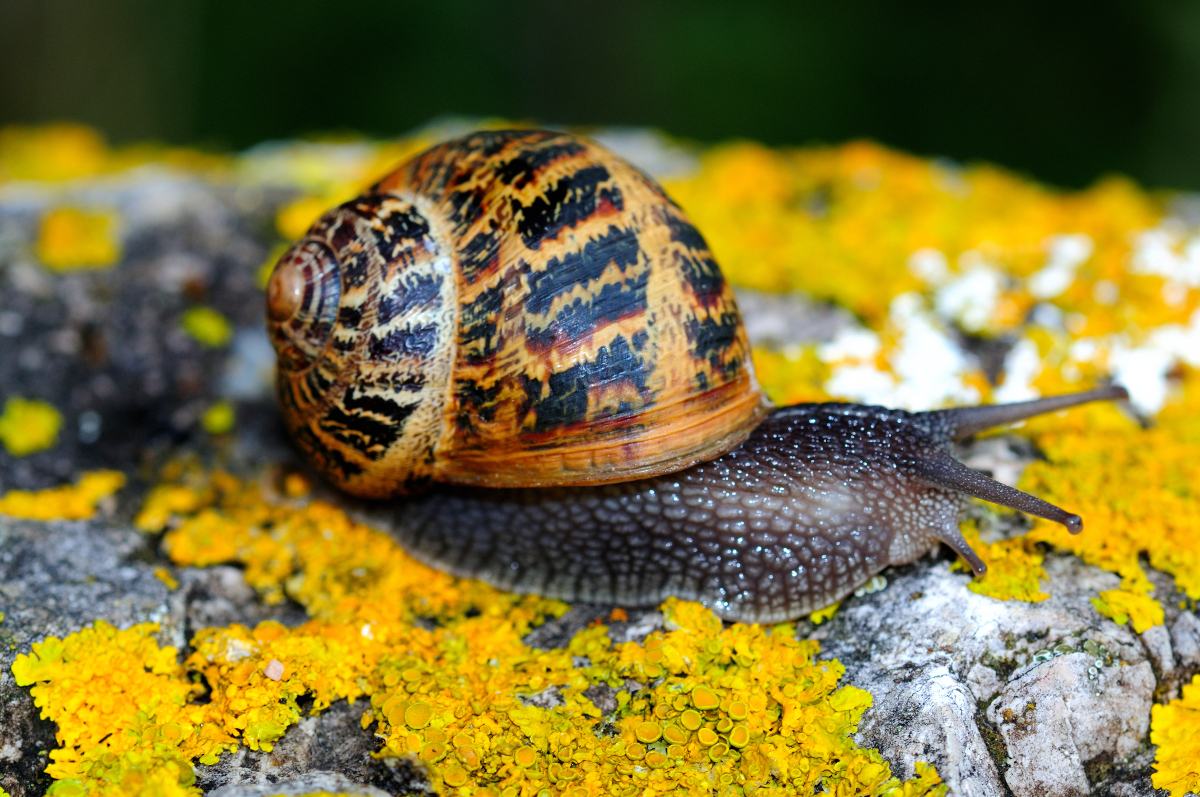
(1130, 605)
(75, 502)
(821, 615)
(70, 151)
(71, 238)
(804, 219)
(166, 501)
(1175, 729)
(53, 152)
(28, 425)
(219, 418)
(123, 706)
(1137, 490)
(1014, 567)
(207, 326)
(701, 707)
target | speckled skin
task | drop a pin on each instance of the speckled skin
(816, 501)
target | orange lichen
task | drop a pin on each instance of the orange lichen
(1130, 606)
(71, 238)
(28, 426)
(716, 707)
(1136, 490)
(1175, 729)
(77, 502)
(1014, 567)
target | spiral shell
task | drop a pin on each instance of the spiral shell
(512, 308)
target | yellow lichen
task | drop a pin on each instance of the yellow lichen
(1175, 729)
(168, 500)
(809, 218)
(1135, 488)
(71, 239)
(54, 152)
(294, 218)
(1014, 567)
(791, 377)
(821, 615)
(207, 326)
(719, 706)
(219, 418)
(28, 426)
(164, 575)
(1130, 606)
(123, 707)
(77, 502)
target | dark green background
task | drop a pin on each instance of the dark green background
(1066, 91)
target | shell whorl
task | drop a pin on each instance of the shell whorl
(520, 308)
(369, 407)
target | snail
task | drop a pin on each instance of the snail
(520, 335)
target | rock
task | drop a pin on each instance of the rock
(929, 709)
(219, 595)
(1065, 713)
(999, 693)
(332, 782)
(56, 578)
(331, 742)
(1185, 637)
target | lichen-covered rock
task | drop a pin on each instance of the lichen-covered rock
(55, 578)
(995, 694)
(1004, 697)
(309, 783)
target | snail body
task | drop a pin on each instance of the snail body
(525, 336)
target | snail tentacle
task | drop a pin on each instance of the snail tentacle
(942, 469)
(966, 421)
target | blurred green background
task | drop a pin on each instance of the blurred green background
(1065, 91)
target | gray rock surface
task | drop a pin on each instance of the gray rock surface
(1000, 696)
(314, 781)
(1031, 699)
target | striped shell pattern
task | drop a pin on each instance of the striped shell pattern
(512, 308)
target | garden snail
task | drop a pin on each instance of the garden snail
(531, 322)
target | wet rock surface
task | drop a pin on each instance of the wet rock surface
(1003, 697)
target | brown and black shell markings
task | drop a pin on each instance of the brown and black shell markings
(516, 308)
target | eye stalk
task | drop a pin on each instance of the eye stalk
(302, 303)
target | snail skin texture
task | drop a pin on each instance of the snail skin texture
(522, 336)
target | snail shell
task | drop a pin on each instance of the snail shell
(513, 308)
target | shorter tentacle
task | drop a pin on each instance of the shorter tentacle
(966, 421)
(950, 534)
(938, 467)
